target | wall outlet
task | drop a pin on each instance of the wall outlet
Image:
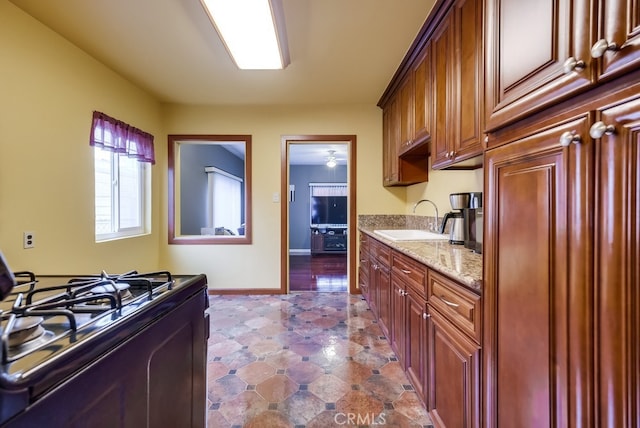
(28, 239)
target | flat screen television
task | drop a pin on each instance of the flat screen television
(328, 210)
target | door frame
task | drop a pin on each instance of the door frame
(350, 141)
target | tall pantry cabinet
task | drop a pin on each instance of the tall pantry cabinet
(561, 345)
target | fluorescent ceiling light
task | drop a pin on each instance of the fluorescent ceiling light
(252, 30)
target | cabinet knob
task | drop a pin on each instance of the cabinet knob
(601, 46)
(425, 315)
(599, 129)
(572, 64)
(486, 138)
(569, 137)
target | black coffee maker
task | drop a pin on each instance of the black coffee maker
(473, 223)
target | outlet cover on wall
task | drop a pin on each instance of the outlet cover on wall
(28, 239)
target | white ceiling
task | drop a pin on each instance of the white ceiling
(342, 51)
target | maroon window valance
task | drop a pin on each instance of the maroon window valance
(114, 135)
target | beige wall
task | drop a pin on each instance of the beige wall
(440, 185)
(258, 265)
(48, 90)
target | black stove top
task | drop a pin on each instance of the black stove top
(65, 317)
(55, 330)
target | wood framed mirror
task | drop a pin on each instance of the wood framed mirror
(209, 189)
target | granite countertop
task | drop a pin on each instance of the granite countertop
(455, 261)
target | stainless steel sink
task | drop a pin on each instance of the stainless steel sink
(411, 235)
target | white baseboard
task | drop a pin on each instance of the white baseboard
(299, 251)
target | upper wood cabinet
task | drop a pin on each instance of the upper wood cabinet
(538, 53)
(405, 130)
(458, 85)
(421, 100)
(390, 136)
(619, 37)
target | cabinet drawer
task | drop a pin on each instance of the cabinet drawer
(412, 273)
(459, 305)
(380, 252)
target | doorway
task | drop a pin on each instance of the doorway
(303, 254)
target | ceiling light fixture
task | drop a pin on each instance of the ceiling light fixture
(331, 160)
(253, 32)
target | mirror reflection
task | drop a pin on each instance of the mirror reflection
(209, 188)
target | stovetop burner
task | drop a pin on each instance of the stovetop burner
(25, 329)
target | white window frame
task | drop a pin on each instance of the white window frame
(116, 230)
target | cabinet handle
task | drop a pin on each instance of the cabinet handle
(425, 315)
(599, 129)
(452, 154)
(601, 46)
(406, 272)
(572, 64)
(448, 303)
(569, 137)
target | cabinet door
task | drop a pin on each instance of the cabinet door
(618, 270)
(406, 114)
(397, 333)
(391, 134)
(443, 75)
(537, 332)
(468, 95)
(528, 44)
(416, 343)
(363, 269)
(454, 373)
(422, 98)
(620, 25)
(383, 280)
(374, 288)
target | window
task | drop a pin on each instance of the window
(224, 205)
(121, 155)
(120, 195)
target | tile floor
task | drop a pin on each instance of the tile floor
(306, 359)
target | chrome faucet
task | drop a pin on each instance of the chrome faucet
(432, 227)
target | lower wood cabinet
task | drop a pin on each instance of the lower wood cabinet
(416, 342)
(397, 336)
(454, 375)
(383, 287)
(437, 344)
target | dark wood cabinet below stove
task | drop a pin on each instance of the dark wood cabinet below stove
(156, 378)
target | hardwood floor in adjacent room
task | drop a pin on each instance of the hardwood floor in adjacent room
(324, 272)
